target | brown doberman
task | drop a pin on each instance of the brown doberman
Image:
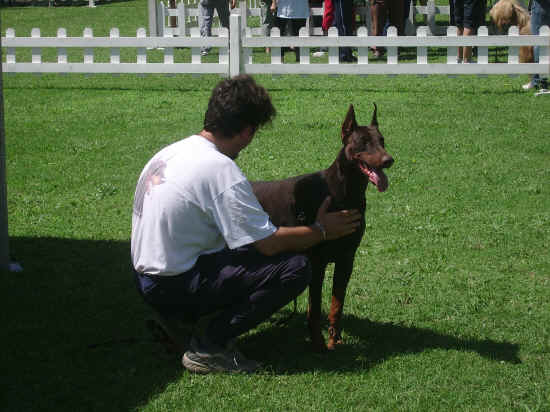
(295, 201)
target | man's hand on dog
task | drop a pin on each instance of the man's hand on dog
(340, 223)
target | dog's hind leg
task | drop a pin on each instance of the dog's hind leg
(314, 306)
(342, 273)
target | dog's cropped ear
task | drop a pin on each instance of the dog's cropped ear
(374, 121)
(349, 124)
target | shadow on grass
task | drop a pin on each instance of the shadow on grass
(378, 342)
(75, 337)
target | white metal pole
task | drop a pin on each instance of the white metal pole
(234, 45)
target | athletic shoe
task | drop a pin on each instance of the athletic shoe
(205, 52)
(542, 92)
(528, 86)
(203, 357)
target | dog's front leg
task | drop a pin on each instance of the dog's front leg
(342, 273)
(314, 306)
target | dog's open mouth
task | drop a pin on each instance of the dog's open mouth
(376, 176)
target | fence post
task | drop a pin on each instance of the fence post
(275, 51)
(333, 53)
(544, 51)
(182, 19)
(36, 51)
(10, 51)
(482, 51)
(234, 45)
(392, 51)
(362, 52)
(452, 51)
(513, 51)
(422, 52)
(62, 51)
(195, 51)
(141, 52)
(304, 51)
(152, 6)
(88, 51)
(247, 52)
(4, 235)
(223, 55)
(169, 52)
(115, 51)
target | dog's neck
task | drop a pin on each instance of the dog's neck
(346, 183)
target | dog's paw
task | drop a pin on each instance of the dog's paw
(332, 343)
(335, 338)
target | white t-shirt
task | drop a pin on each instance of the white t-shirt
(192, 200)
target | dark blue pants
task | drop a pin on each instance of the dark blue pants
(343, 21)
(244, 285)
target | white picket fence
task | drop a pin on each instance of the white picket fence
(235, 52)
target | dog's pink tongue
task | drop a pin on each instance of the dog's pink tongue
(378, 178)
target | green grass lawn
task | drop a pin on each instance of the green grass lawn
(449, 303)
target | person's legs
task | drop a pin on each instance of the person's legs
(467, 50)
(343, 13)
(222, 7)
(396, 11)
(407, 11)
(458, 18)
(295, 26)
(268, 19)
(539, 18)
(240, 287)
(379, 13)
(470, 20)
(248, 287)
(283, 24)
(206, 14)
(328, 16)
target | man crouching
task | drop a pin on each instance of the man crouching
(202, 244)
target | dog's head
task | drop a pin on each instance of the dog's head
(507, 13)
(364, 147)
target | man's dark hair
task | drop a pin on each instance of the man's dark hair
(236, 104)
